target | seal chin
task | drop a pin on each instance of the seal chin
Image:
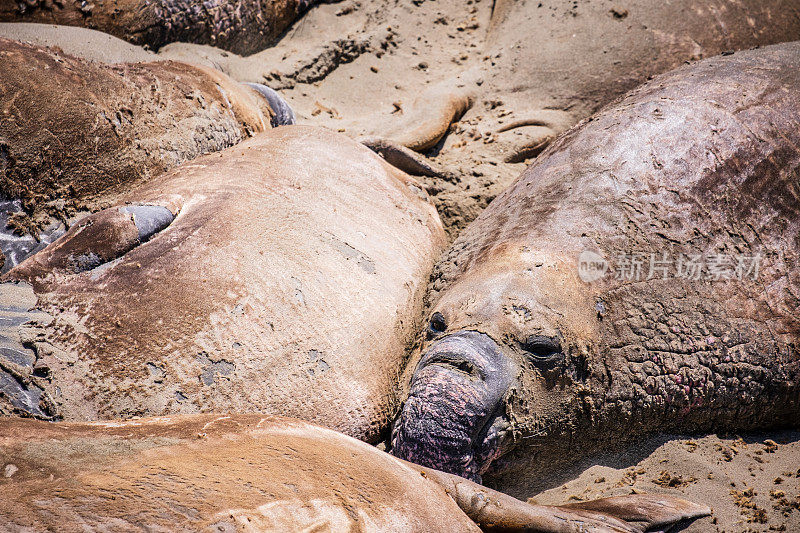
(454, 418)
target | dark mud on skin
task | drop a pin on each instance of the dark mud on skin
(14, 247)
(461, 431)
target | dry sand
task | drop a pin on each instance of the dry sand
(356, 67)
(751, 481)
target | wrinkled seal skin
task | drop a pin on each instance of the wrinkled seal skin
(288, 283)
(71, 130)
(243, 27)
(705, 159)
(258, 473)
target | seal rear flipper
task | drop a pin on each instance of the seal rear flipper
(403, 158)
(96, 239)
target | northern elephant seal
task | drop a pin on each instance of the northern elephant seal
(71, 130)
(545, 65)
(551, 64)
(235, 25)
(289, 282)
(256, 473)
(536, 355)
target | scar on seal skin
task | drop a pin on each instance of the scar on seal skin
(527, 368)
(267, 473)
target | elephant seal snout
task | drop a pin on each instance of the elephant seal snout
(453, 417)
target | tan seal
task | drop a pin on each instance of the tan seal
(257, 473)
(283, 275)
(72, 130)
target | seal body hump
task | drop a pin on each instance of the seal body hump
(288, 282)
(612, 49)
(234, 25)
(538, 360)
(211, 473)
(72, 130)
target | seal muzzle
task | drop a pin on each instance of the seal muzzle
(454, 418)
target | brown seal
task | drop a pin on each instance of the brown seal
(288, 282)
(235, 25)
(537, 357)
(257, 473)
(71, 130)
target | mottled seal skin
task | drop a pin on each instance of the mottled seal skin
(72, 130)
(235, 25)
(702, 160)
(289, 282)
(258, 473)
(474, 400)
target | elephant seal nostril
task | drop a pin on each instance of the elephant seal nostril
(457, 363)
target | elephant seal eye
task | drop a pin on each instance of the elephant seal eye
(437, 324)
(543, 351)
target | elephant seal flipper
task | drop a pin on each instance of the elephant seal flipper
(149, 219)
(634, 513)
(283, 113)
(94, 240)
(403, 158)
(431, 115)
(647, 510)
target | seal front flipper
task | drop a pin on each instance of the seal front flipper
(96, 239)
(646, 510)
(403, 158)
(430, 116)
(495, 511)
(527, 137)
